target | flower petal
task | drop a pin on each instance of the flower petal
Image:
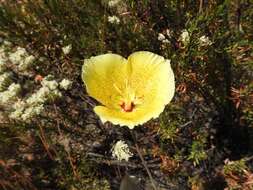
(103, 76)
(152, 77)
(129, 119)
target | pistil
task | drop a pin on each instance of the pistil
(127, 107)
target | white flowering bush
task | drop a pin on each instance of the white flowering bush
(25, 108)
(66, 49)
(184, 37)
(113, 3)
(121, 151)
(3, 60)
(35, 103)
(161, 37)
(65, 84)
(113, 19)
(5, 80)
(10, 94)
(2, 65)
(205, 41)
(19, 55)
(22, 59)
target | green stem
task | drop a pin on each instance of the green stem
(144, 162)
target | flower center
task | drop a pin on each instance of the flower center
(127, 107)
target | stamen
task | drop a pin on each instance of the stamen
(127, 107)
(117, 89)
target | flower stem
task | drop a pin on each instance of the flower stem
(144, 162)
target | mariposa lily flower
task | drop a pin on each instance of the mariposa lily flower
(131, 91)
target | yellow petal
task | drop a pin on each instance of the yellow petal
(103, 75)
(130, 119)
(152, 75)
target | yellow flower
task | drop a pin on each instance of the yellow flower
(131, 91)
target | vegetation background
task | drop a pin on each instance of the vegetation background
(204, 138)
